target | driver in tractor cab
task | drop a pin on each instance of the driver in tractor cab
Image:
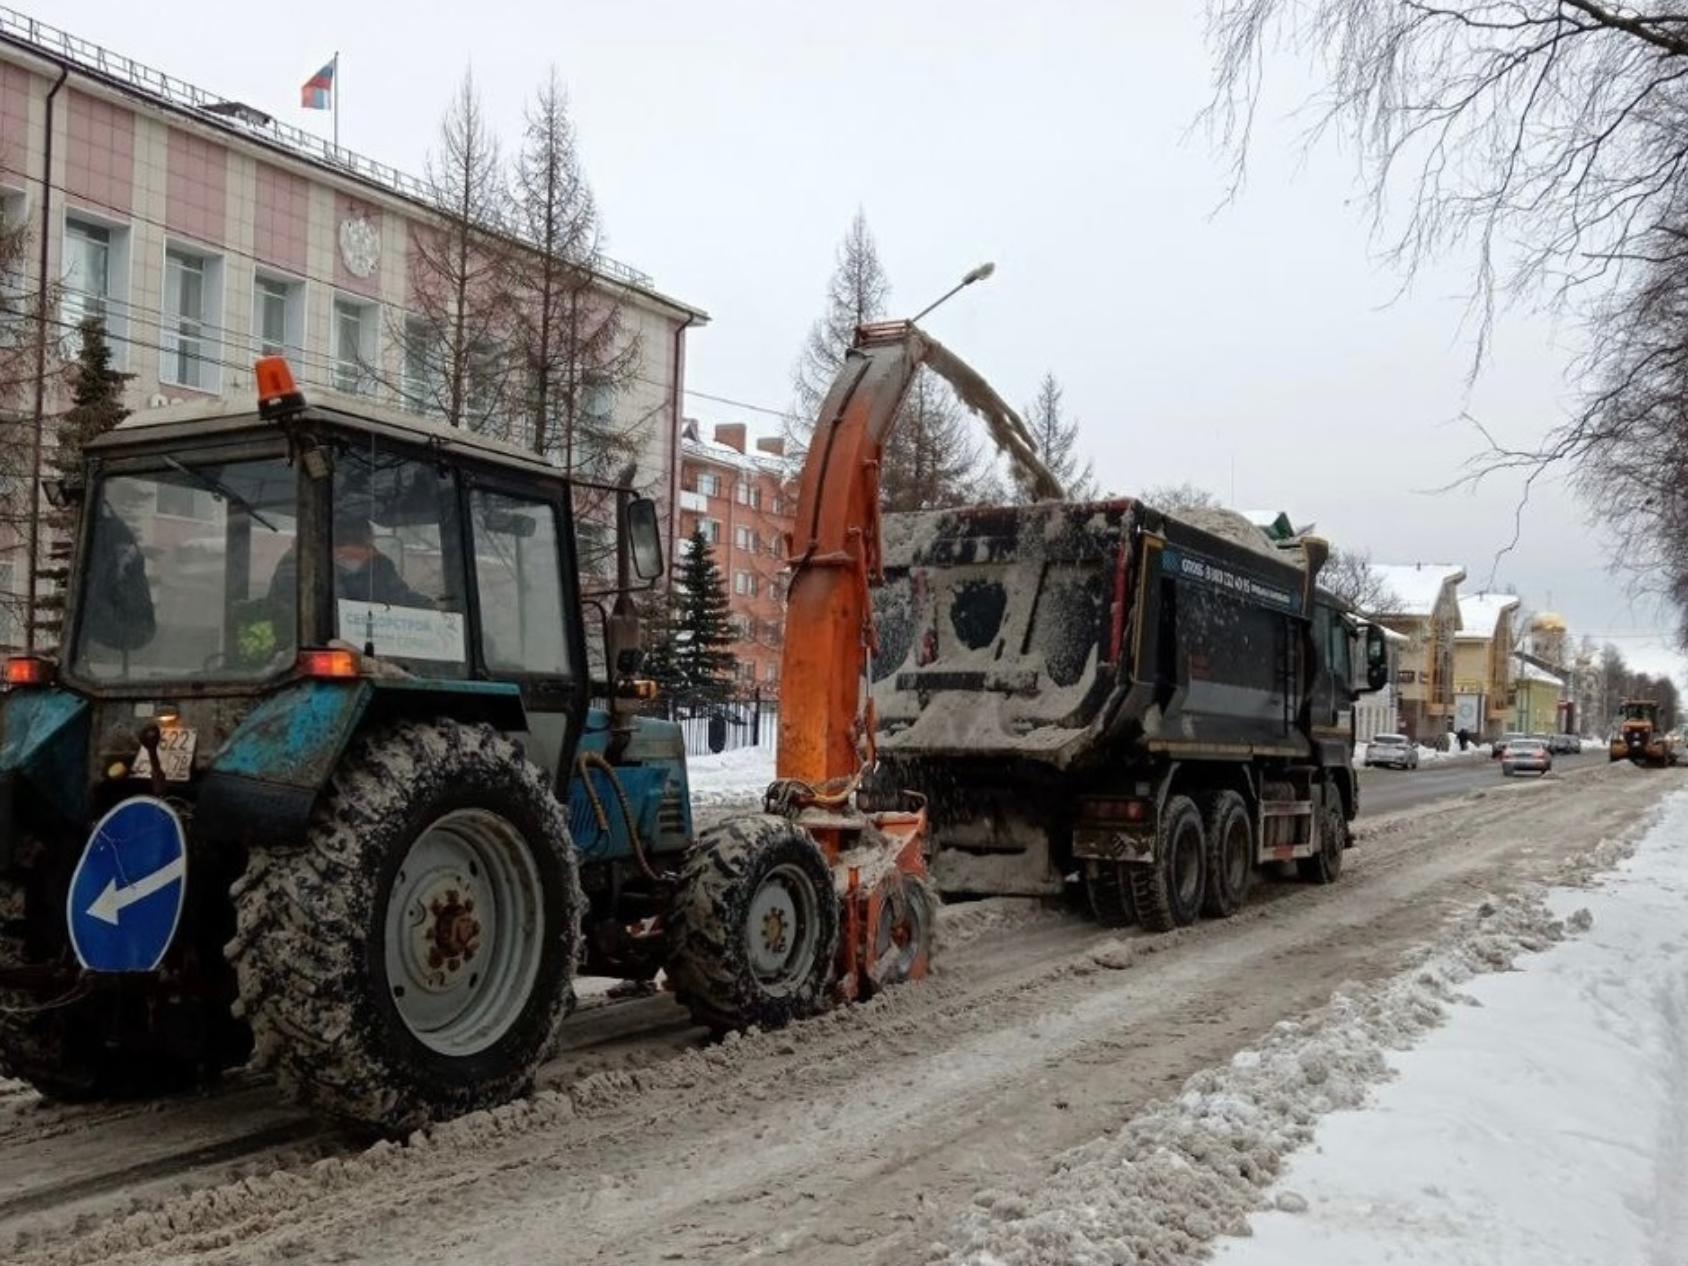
(362, 572)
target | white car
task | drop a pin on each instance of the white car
(1394, 750)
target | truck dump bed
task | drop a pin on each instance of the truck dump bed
(1032, 632)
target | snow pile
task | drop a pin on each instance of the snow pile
(1430, 756)
(1548, 1124)
(740, 775)
(1189, 1170)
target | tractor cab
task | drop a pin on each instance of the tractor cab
(334, 658)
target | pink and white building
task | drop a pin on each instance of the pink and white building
(207, 234)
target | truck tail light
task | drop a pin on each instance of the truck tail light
(329, 664)
(28, 670)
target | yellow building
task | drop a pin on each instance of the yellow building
(1538, 695)
(1483, 691)
(1421, 602)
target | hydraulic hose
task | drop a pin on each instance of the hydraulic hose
(595, 760)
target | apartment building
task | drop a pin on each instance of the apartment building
(1484, 686)
(737, 492)
(1423, 605)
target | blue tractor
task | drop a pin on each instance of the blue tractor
(316, 780)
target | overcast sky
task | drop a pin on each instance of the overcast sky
(1262, 351)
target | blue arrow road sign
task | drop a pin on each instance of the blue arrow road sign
(126, 894)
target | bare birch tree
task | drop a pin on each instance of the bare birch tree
(1549, 140)
(1348, 574)
(455, 340)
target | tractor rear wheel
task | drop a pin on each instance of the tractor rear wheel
(756, 925)
(1168, 891)
(413, 958)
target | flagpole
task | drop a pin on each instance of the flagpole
(335, 99)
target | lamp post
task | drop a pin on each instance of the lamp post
(978, 274)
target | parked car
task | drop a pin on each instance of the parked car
(1499, 749)
(1526, 754)
(1564, 744)
(1394, 750)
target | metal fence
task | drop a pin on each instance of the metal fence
(728, 726)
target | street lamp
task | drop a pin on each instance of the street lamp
(978, 274)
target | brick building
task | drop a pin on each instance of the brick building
(206, 233)
(738, 493)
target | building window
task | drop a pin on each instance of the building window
(354, 346)
(424, 383)
(192, 286)
(770, 671)
(744, 583)
(741, 494)
(95, 272)
(709, 485)
(756, 498)
(711, 529)
(278, 316)
(743, 539)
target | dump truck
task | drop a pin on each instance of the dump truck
(1638, 738)
(1155, 703)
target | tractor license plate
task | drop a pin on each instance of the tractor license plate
(175, 754)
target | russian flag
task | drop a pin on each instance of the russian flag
(315, 94)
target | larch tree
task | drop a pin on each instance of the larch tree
(855, 295)
(574, 345)
(932, 461)
(1056, 438)
(702, 629)
(456, 338)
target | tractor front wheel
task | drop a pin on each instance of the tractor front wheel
(756, 925)
(414, 957)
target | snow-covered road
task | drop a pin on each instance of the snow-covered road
(862, 1136)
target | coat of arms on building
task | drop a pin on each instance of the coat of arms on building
(360, 245)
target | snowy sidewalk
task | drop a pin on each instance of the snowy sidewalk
(1548, 1124)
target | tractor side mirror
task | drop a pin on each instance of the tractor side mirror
(1377, 658)
(645, 538)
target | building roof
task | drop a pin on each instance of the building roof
(1527, 671)
(1481, 613)
(133, 79)
(694, 445)
(1417, 587)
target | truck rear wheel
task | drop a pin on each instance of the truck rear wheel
(1168, 891)
(1230, 855)
(1325, 866)
(756, 925)
(413, 959)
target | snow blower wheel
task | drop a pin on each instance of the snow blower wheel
(756, 921)
(903, 937)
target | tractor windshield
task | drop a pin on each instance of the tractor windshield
(184, 579)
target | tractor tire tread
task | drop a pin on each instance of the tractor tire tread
(305, 922)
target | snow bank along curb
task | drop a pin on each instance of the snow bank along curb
(1190, 1169)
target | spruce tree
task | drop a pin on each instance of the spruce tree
(96, 395)
(702, 632)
